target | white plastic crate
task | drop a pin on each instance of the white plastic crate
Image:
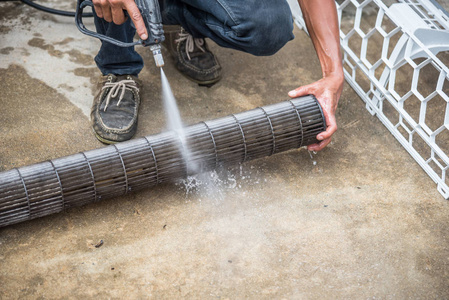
(396, 57)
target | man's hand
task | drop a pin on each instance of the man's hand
(113, 11)
(327, 91)
(322, 23)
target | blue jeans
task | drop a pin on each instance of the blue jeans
(259, 27)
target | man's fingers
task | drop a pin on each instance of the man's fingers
(327, 134)
(136, 18)
(330, 130)
(98, 9)
(320, 145)
(118, 16)
(106, 10)
(301, 91)
(112, 11)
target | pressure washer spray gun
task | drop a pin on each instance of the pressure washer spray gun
(151, 15)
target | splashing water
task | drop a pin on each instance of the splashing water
(311, 157)
(210, 184)
(217, 185)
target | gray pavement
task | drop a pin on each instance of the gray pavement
(359, 219)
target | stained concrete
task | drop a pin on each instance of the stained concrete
(359, 219)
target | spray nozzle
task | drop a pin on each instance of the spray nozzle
(158, 59)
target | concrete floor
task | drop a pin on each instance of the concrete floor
(359, 219)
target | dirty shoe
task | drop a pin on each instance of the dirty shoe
(192, 56)
(115, 108)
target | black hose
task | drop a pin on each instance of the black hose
(50, 10)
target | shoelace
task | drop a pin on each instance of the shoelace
(191, 42)
(123, 85)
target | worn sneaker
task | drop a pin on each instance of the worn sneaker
(192, 56)
(115, 108)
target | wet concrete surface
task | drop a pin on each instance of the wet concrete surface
(359, 219)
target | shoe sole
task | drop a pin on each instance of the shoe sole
(207, 83)
(103, 140)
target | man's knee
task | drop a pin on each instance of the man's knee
(266, 33)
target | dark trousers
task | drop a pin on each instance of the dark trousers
(259, 27)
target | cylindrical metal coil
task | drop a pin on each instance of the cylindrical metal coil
(52, 186)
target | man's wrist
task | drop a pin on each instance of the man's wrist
(337, 76)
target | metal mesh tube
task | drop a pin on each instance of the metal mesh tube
(49, 187)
